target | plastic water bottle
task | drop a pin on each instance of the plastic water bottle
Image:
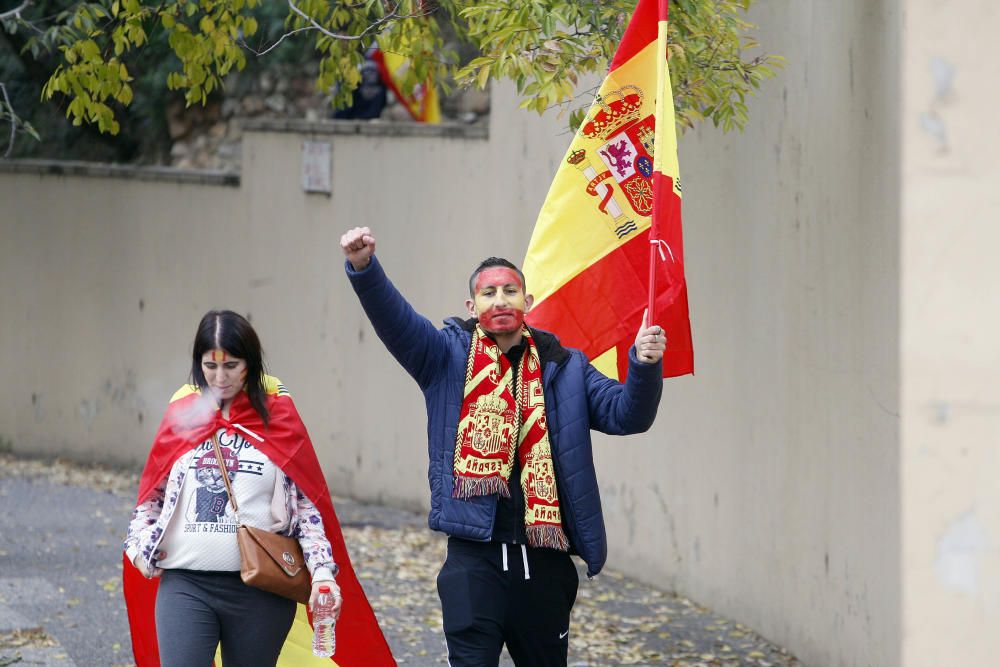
(324, 634)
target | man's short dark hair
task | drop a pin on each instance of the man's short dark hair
(490, 262)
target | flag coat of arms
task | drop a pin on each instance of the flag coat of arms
(608, 243)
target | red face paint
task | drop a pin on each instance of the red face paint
(497, 276)
(219, 355)
(499, 300)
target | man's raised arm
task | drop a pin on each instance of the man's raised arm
(410, 337)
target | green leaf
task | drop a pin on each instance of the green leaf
(482, 77)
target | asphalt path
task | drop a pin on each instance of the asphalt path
(61, 527)
(60, 571)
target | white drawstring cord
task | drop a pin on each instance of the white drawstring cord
(249, 432)
(660, 245)
(504, 545)
(524, 557)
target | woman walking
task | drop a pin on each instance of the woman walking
(182, 560)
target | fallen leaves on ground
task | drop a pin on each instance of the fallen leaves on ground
(31, 637)
(70, 473)
(616, 620)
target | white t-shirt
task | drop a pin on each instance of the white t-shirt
(201, 534)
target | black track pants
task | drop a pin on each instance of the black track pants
(492, 594)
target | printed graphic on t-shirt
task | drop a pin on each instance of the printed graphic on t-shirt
(209, 509)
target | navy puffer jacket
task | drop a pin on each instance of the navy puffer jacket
(578, 398)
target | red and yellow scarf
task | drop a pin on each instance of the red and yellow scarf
(496, 418)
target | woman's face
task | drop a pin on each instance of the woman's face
(224, 373)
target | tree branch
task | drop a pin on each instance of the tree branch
(16, 12)
(254, 51)
(385, 19)
(13, 118)
(314, 25)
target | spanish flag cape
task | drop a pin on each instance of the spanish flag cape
(285, 441)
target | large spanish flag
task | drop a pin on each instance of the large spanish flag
(286, 442)
(615, 198)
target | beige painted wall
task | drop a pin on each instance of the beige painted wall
(99, 279)
(768, 489)
(950, 334)
(775, 469)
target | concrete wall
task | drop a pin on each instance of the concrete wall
(769, 488)
(776, 468)
(105, 279)
(950, 334)
(100, 279)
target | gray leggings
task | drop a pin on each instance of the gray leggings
(195, 611)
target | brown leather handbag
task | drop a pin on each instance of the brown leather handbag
(268, 561)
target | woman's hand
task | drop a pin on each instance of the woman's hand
(140, 565)
(338, 601)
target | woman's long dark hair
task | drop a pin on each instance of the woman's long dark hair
(229, 331)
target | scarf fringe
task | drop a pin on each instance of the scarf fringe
(467, 487)
(547, 536)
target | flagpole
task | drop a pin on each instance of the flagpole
(651, 300)
(663, 87)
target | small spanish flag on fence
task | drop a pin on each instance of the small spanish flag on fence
(422, 103)
(607, 243)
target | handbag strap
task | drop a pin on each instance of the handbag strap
(225, 475)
